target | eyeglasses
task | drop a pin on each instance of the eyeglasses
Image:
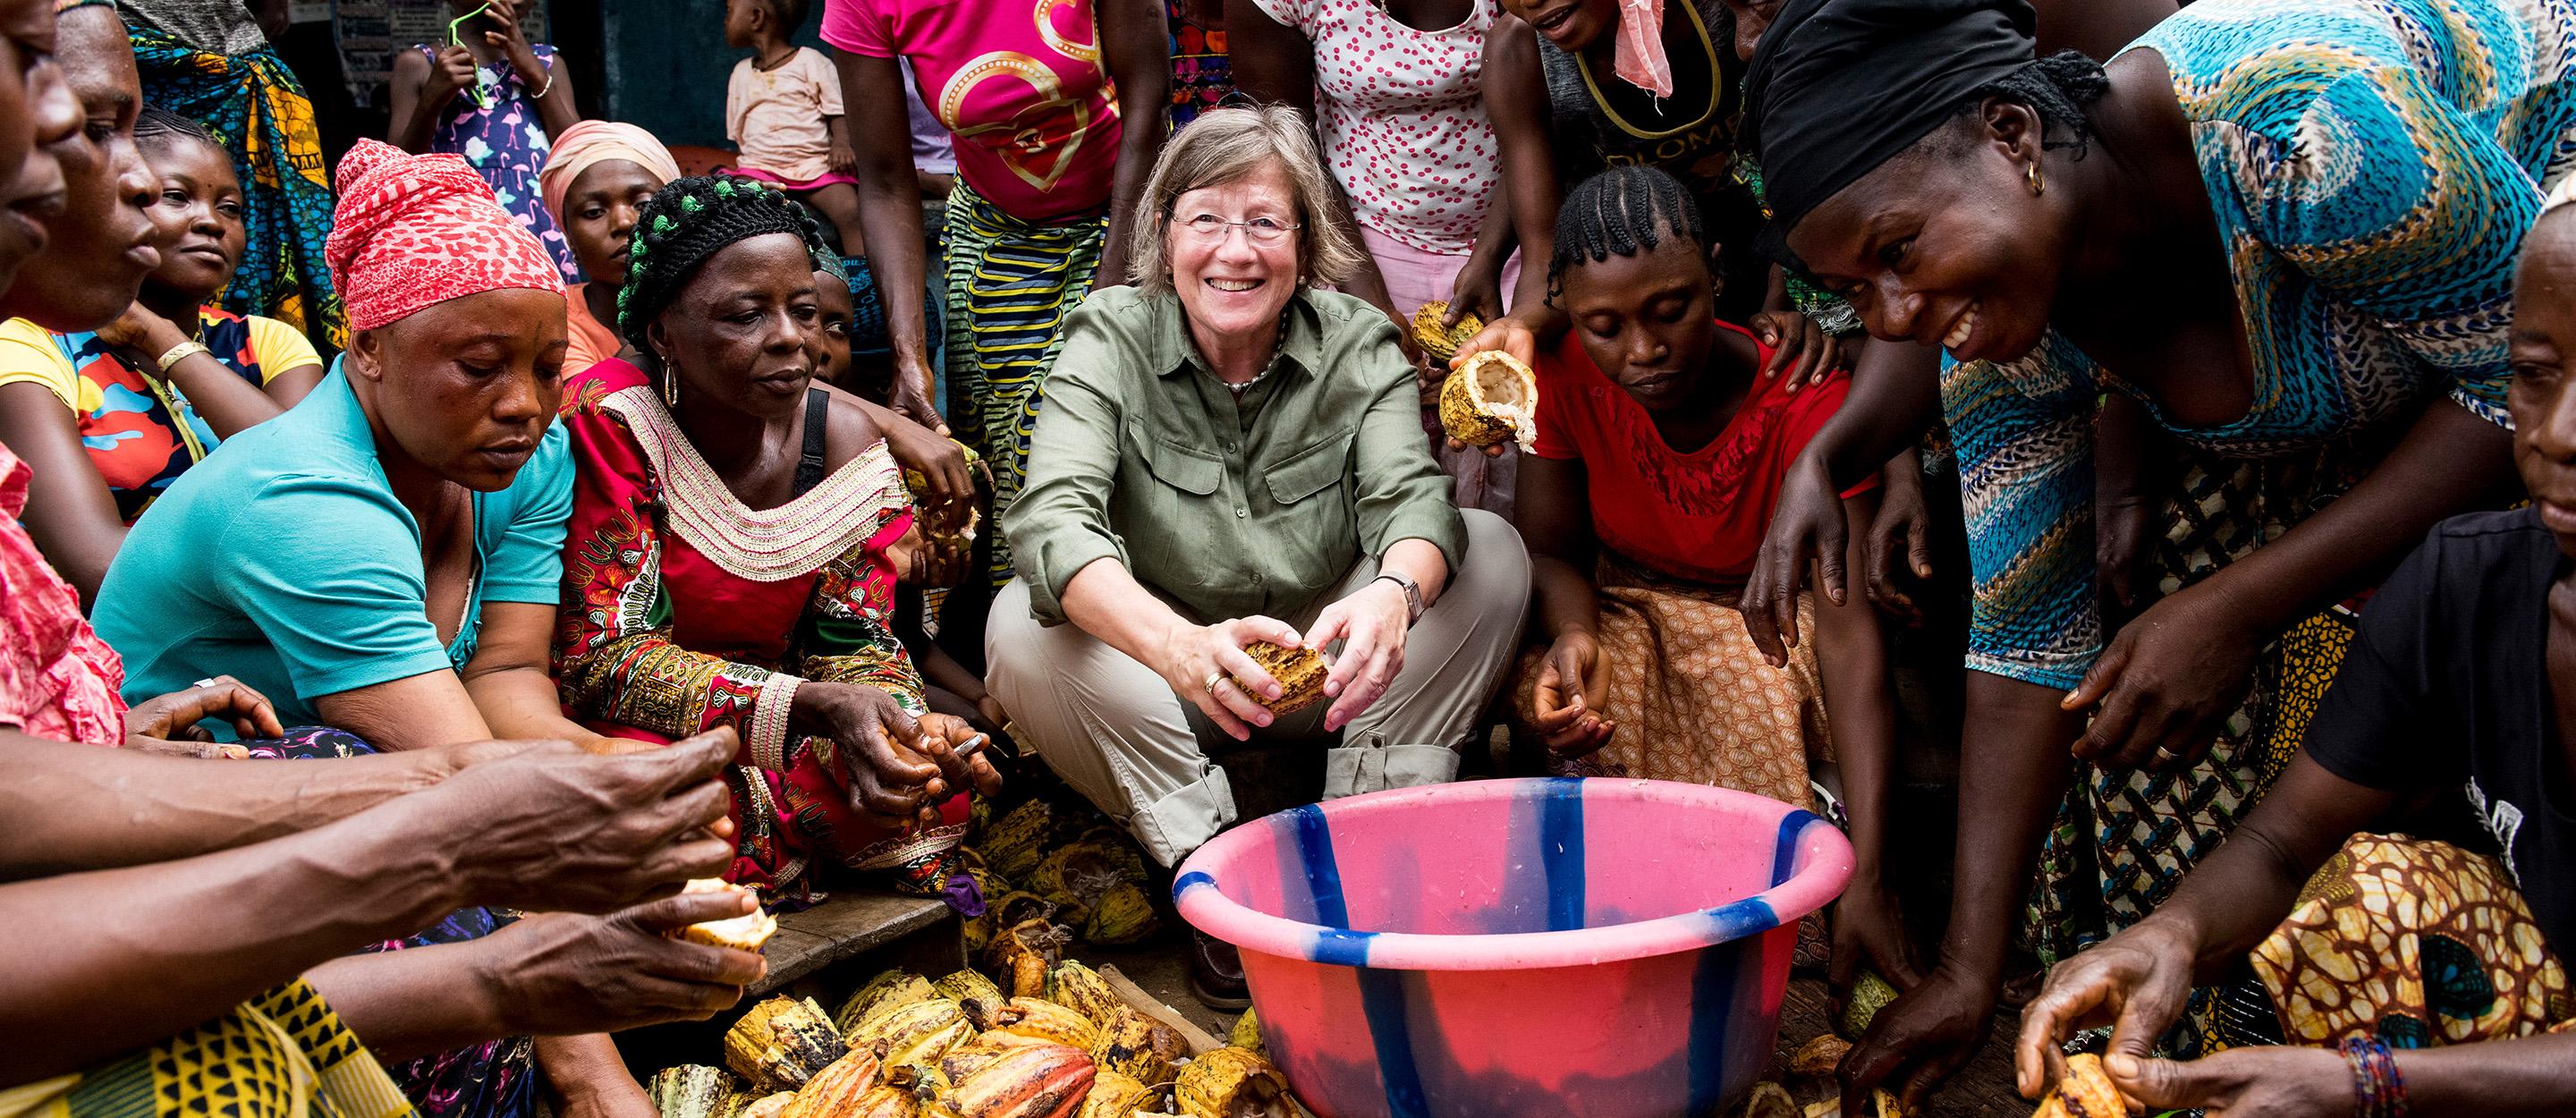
(1258, 230)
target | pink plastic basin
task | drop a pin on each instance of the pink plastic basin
(1609, 948)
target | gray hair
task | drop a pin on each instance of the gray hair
(1229, 145)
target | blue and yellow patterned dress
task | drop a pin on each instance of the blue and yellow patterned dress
(2373, 165)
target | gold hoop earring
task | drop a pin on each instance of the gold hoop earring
(2031, 172)
(670, 386)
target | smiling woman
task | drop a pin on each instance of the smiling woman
(148, 395)
(1229, 456)
(2326, 221)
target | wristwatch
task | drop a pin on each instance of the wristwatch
(1412, 594)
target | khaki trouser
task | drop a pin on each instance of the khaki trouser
(1111, 728)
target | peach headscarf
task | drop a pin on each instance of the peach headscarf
(595, 141)
(413, 230)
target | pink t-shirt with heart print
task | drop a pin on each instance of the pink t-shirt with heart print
(1404, 123)
(1024, 95)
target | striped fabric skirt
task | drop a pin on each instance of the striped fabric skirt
(1010, 285)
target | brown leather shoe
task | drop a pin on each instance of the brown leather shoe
(1216, 973)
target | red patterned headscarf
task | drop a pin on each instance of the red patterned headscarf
(412, 230)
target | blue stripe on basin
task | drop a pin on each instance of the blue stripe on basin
(1560, 850)
(1323, 873)
(1712, 1003)
(1391, 1032)
(1784, 850)
(1188, 880)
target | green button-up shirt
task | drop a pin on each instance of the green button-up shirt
(1230, 508)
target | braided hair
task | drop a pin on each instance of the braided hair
(1620, 212)
(155, 126)
(691, 219)
(2059, 88)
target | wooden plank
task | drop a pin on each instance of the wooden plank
(1194, 1038)
(846, 925)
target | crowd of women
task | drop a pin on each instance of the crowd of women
(546, 548)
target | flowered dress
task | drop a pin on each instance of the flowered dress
(506, 142)
(684, 611)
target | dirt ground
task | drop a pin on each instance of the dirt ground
(1984, 1089)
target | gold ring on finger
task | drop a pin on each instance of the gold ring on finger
(1214, 678)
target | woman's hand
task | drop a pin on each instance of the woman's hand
(940, 460)
(1869, 929)
(892, 773)
(952, 744)
(1571, 682)
(168, 723)
(2123, 533)
(2284, 1082)
(1799, 347)
(2136, 982)
(1478, 290)
(924, 560)
(1371, 624)
(559, 974)
(552, 828)
(2167, 683)
(1918, 1041)
(1899, 539)
(911, 396)
(1206, 666)
(1508, 334)
(1806, 527)
(140, 336)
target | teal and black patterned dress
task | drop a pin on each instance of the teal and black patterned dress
(2373, 165)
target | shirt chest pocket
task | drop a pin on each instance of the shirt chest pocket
(1312, 527)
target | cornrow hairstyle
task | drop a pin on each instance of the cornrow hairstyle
(691, 219)
(159, 126)
(1620, 212)
(2059, 88)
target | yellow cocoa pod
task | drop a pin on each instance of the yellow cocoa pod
(889, 990)
(1300, 672)
(1082, 990)
(1138, 1047)
(1442, 342)
(1246, 1035)
(1231, 1083)
(1491, 398)
(781, 1043)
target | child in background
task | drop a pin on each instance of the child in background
(495, 98)
(947, 686)
(783, 114)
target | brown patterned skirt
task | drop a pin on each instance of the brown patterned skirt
(1694, 699)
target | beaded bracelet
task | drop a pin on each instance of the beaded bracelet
(2377, 1090)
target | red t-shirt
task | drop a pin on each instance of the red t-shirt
(1698, 516)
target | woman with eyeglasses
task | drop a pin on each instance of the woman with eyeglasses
(1230, 455)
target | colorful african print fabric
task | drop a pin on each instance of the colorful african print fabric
(1202, 75)
(683, 611)
(505, 140)
(486, 1079)
(1010, 286)
(2372, 167)
(2419, 944)
(139, 431)
(253, 103)
(283, 1054)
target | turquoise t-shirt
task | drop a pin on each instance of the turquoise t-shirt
(284, 561)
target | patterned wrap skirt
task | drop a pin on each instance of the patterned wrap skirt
(283, 1054)
(1010, 285)
(1694, 699)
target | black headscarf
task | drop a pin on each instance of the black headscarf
(1838, 87)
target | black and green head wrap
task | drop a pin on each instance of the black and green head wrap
(691, 219)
